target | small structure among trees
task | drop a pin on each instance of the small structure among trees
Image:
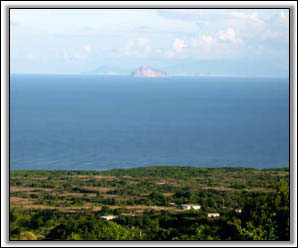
(108, 217)
(190, 206)
(213, 215)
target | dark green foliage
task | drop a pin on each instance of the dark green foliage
(90, 228)
(266, 217)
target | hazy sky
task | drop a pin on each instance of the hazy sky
(195, 41)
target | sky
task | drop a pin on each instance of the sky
(219, 42)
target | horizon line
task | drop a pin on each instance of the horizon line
(168, 75)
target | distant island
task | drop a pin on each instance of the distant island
(146, 71)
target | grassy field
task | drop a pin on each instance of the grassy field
(142, 192)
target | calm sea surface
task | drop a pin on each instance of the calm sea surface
(86, 122)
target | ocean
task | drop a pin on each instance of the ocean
(94, 122)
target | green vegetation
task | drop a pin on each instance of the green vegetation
(145, 204)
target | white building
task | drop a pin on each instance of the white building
(190, 206)
(196, 207)
(108, 217)
(213, 215)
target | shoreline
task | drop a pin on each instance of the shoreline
(161, 166)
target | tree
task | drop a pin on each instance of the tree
(266, 217)
(91, 229)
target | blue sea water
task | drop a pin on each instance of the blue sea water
(84, 122)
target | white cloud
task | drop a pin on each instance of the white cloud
(274, 35)
(222, 44)
(230, 36)
(283, 15)
(203, 40)
(179, 45)
(87, 48)
(144, 44)
(252, 20)
(139, 47)
(283, 18)
(78, 55)
(170, 54)
(207, 39)
(177, 49)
